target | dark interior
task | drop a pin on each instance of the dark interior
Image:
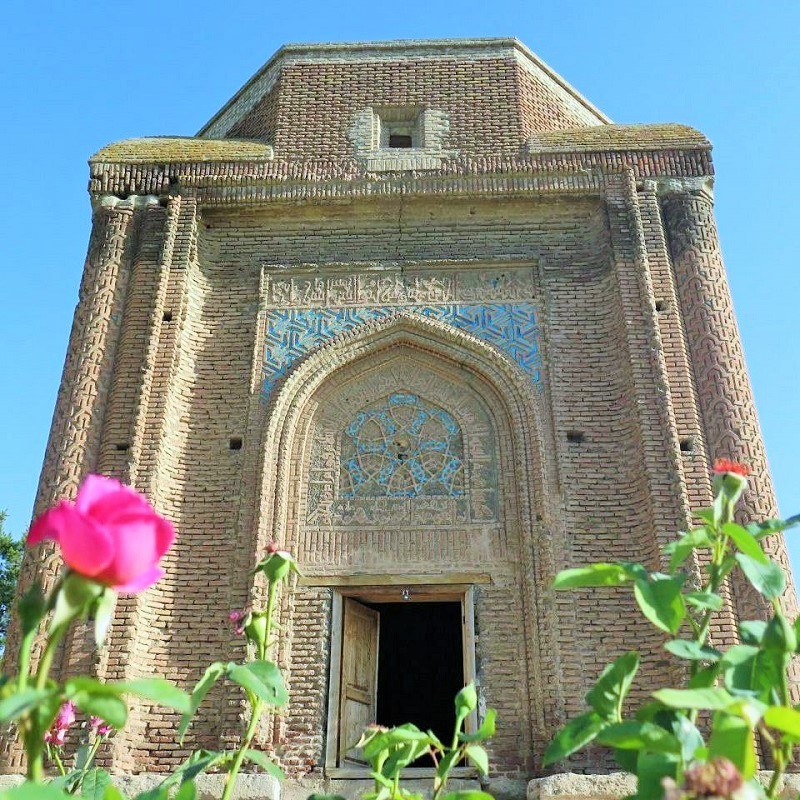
(400, 140)
(420, 666)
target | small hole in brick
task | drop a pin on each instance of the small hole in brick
(235, 443)
(661, 305)
(576, 437)
(121, 447)
(687, 445)
(167, 316)
(208, 227)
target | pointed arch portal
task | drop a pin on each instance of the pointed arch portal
(405, 459)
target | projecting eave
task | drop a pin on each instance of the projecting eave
(423, 49)
(182, 149)
(616, 138)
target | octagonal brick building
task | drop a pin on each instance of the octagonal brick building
(423, 314)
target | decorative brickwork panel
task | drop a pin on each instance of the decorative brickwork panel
(723, 386)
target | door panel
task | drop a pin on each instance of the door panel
(359, 696)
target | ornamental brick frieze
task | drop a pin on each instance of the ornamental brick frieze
(394, 284)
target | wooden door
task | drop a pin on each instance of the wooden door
(359, 689)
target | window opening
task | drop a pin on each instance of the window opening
(400, 140)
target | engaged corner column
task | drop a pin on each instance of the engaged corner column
(724, 393)
(76, 428)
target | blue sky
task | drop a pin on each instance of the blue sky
(83, 74)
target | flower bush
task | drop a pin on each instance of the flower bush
(701, 739)
(111, 541)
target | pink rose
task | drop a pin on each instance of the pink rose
(57, 733)
(110, 534)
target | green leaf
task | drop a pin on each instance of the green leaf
(608, 694)
(35, 791)
(745, 541)
(651, 768)
(770, 526)
(713, 698)
(779, 635)
(466, 701)
(19, 703)
(639, 736)
(112, 793)
(187, 791)
(97, 699)
(704, 600)
(95, 783)
(573, 736)
(479, 758)
(767, 578)
(678, 551)
(704, 678)
(783, 719)
(325, 797)
(738, 667)
(733, 738)
(691, 651)
(467, 794)
(485, 731)
(212, 674)
(661, 601)
(262, 678)
(103, 615)
(159, 691)
(261, 759)
(31, 608)
(74, 599)
(752, 631)
(199, 761)
(689, 737)
(592, 575)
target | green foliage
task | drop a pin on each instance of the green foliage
(10, 559)
(741, 691)
(388, 751)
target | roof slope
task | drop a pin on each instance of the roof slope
(495, 91)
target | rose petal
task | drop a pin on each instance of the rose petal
(134, 549)
(165, 535)
(50, 524)
(85, 547)
(93, 489)
(141, 582)
(121, 501)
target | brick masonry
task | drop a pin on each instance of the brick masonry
(550, 281)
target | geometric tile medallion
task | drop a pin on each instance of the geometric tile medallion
(293, 333)
(402, 446)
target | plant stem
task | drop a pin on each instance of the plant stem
(34, 737)
(781, 752)
(257, 707)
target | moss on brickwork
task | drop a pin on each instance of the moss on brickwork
(159, 149)
(619, 137)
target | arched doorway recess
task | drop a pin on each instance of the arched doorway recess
(407, 456)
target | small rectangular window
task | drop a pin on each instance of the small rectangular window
(400, 140)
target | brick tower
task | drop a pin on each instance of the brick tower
(422, 313)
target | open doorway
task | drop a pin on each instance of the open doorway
(397, 662)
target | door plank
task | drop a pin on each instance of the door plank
(359, 692)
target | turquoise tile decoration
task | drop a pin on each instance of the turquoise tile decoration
(293, 333)
(402, 446)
